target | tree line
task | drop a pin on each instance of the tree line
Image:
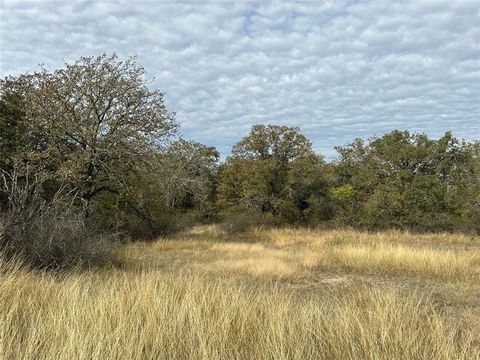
(88, 151)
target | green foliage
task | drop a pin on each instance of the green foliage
(92, 127)
(89, 123)
(274, 170)
(342, 193)
(407, 180)
(281, 143)
(95, 128)
(12, 127)
(238, 220)
(172, 188)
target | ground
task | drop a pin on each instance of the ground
(263, 294)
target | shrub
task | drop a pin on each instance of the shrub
(242, 220)
(50, 234)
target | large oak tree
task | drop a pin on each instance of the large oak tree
(273, 169)
(88, 124)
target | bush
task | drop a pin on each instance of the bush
(50, 234)
(243, 220)
(53, 243)
(152, 225)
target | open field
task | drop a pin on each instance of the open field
(264, 294)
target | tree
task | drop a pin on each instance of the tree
(90, 123)
(469, 196)
(405, 180)
(246, 183)
(274, 170)
(12, 127)
(281, 143)
(176, 187)
(185, 175)
(306, 190)
(12, 135)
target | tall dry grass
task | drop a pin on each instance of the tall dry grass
(293, 252)
(183, 299)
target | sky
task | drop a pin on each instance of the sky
(336, 69)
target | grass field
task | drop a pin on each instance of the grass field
(264, 294)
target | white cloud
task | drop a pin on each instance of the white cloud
(337, 69)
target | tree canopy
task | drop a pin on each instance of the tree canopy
(409, 180)
(95, 129)
(275, 170)
(88, 123)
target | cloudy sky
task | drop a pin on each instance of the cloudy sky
(336, 69)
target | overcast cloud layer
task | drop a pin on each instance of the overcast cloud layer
(338, 70)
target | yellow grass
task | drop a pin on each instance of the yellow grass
(267, 294)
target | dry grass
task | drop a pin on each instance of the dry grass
(267, 294)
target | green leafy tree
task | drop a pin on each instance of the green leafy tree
(176, 187)
(88, 124)
(281, 143)
(13, 129)
(274, 170)
(405, 180)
